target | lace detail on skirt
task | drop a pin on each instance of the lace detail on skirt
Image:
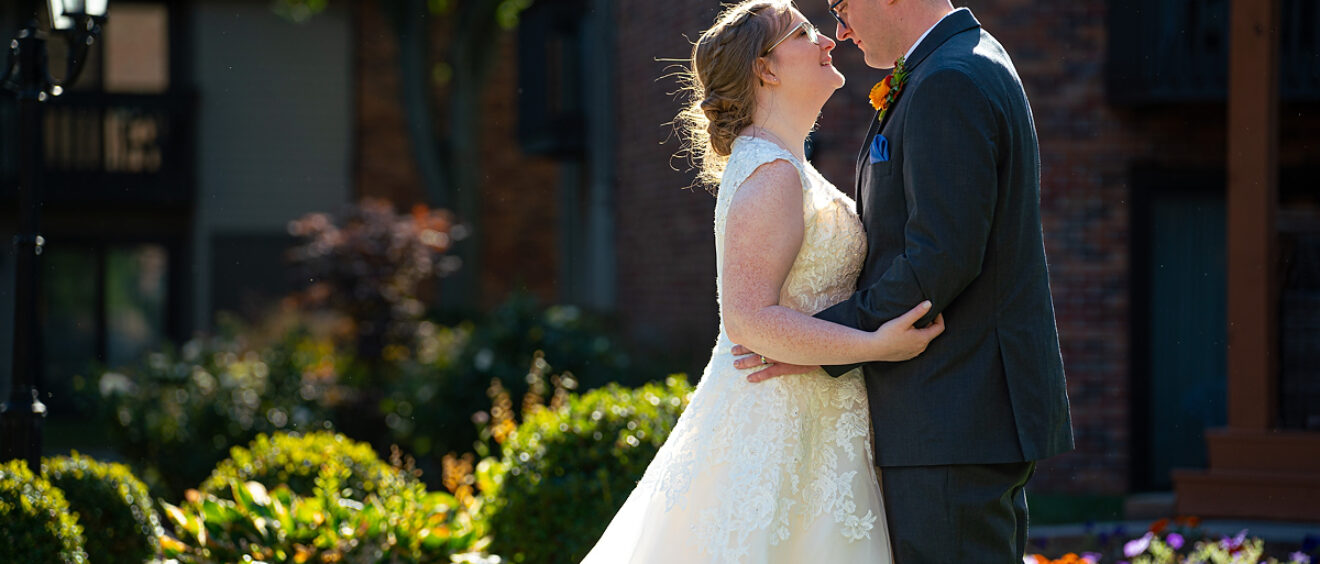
(779, 471)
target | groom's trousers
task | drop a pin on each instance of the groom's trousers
(961, 514)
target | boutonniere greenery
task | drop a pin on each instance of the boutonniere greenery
(885, 92)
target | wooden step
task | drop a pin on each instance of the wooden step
(1270, 451)
(1252, 494)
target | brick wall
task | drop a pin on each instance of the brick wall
(1085, 153)
(666, 270)
(666, 255)
(519, 197)
(384, 166)
(666, 238)
(1088, 150)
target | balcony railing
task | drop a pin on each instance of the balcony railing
(1169, 51)
(132, 149)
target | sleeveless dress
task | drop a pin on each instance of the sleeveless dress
(774, 472)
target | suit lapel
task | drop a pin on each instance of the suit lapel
(958, 21)
(863, 160)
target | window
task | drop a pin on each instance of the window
(550, 116)
(123, 131)
(137, 51)
(105, 306)
(1164, 51)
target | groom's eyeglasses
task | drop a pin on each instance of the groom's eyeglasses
(834, 11)
(810, 30)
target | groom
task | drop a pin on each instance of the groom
(948, 187)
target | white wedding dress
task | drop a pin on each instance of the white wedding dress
(775, 472)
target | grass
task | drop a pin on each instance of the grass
(1060, 509)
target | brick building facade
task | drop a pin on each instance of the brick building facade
(1103, 164)
(1094, 154)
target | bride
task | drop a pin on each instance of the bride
(780, 471)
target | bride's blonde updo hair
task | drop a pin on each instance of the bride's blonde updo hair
(720, 82)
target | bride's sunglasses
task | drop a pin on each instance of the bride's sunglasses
(813, 35)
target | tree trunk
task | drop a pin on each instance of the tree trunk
(410, 19)
(450, 168)
(474, 44)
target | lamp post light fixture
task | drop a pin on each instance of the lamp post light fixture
(65, 14)
(27, 78)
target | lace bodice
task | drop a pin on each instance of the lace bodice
(833, 244)
(774, 472)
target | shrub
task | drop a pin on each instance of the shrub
(36, 526)
(175, 414)
(569, 467)
(324, 498)
(370, 266)
(416, 400)
(505, 341)
(112, 505)
(503, 344)
(251, 523)
(298, 461)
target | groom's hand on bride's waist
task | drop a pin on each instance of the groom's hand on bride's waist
(769, 368)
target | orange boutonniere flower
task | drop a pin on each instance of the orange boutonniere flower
(885, 93)
(881, 91)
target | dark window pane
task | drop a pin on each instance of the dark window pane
(1299, 318)
(135, 288)
(70, 288)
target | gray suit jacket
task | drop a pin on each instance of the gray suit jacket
(954, 217)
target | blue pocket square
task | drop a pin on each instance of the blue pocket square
(879, 149)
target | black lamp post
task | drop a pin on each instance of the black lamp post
(27, 78)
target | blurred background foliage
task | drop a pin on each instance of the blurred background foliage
(354, 352)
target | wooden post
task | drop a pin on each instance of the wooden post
(1256, 470)
(1253, 197)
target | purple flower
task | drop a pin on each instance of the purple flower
(1137, 546)
(1092, 557)
(1175, 541)
(1235, 543)
(1300, 558)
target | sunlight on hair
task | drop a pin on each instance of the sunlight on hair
(718, 83)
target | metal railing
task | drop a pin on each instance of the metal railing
(110, 148)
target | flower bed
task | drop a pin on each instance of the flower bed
(1177, 541)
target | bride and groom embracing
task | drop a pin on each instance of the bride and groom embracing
(838, 420)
